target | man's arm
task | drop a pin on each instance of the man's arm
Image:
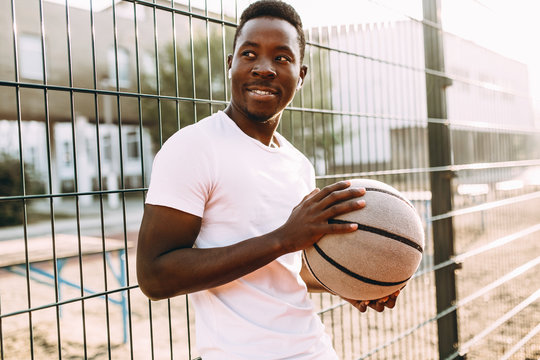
(168, 265)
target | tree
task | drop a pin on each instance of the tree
(179, 108)
(11, 211)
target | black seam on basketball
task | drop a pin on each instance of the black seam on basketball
(315, 276)
(353, 274)
(381, 232)
(392, 194)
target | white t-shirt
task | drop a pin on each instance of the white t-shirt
(242, 188)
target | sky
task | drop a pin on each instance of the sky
(510, 28)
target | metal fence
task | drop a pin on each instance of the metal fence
(89, 93)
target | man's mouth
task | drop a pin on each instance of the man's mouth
(262, 92)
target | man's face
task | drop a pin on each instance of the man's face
(265, 68)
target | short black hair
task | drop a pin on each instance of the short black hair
(276, 9)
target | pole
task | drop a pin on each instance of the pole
(440, 155)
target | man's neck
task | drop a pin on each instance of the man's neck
(259, 129)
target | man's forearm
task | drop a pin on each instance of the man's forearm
(188, 270)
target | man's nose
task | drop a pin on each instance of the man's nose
(264, 69)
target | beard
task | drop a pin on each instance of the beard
(260, 116)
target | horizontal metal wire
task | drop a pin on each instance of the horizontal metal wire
(486, 206)
(521, 343)
(481, 292)
(492, 245)
(69, 301)
(460, 258)
(449, 168)
(163, 7)
(71, 194)
(465, 348)
(421, 122)
(511, 275)
(500, 281)
(108, 92)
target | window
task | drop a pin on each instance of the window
(148, 64)
(106, 147)
(122, 56)
(30, 57)
(66, 158)
(132, 145)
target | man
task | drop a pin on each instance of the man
(231, 204)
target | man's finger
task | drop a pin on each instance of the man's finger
(392, 299)
(327, 190)
(377, 306)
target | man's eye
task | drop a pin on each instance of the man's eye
(283, 58)
(248, 53)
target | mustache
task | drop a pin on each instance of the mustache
(263, 83)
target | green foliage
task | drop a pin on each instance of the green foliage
(178, 72)
(11, 211)
(10, 185)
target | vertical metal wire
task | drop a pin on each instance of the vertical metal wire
(177, 112)
(368, 69)
(98, 142)
(49, 131)
(398, 120)
(332, 101)
(392, 112)
(413, 124)
(319, 118)
(170, 328)
(380, 120)
(75, 173)
(160, 132)
(142, 162)
(175, 59)
(311, 84)
(188, 327)
(224, 53)
(346, 125)
(209, 70)
(158, 77)
(22, 174)
(1, 333)
(151, 321)
(192, 53)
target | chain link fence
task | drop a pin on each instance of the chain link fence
(89, 91)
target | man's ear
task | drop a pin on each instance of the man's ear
(302, 76)
(229, 65)
(229, 61)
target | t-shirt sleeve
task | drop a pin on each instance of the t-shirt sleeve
(181, 175)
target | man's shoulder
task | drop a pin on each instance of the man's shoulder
(197, 133)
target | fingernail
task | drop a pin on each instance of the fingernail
(361, 202)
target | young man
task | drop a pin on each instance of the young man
(231, 203)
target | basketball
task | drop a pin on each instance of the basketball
(377, 259)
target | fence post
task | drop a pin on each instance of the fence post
(440, 155)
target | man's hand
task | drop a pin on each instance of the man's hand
(308, 221)
(378, 305)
